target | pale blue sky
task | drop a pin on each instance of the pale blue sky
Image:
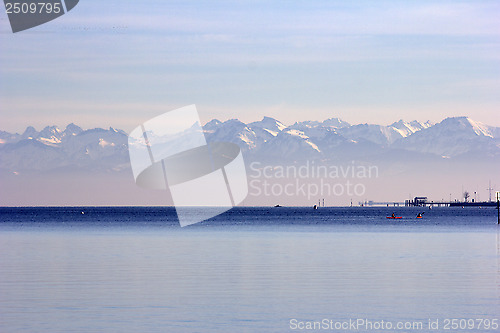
(122, 62)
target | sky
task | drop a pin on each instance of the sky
(119, 63)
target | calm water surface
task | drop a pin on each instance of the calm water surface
(249, 270)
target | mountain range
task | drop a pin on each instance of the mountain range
(268, 140)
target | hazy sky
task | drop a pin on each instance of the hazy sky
(121, 62)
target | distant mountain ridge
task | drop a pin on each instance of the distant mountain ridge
(334, 139)
(70, 149)
(267, 140)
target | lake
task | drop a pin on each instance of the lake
(251, 269)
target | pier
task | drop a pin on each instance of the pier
(424, 202)
(372, 203)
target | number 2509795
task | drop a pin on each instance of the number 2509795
(33, 8)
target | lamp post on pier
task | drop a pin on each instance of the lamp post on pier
(498, 206)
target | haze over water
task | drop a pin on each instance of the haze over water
(248, 270)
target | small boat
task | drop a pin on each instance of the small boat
(393, 217)
(277, 206)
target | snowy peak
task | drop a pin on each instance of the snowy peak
(405, 129)
(287, 146)
(296, 132)
(50, 135)
(467, 126)
(30, 132)
(479, 128)
(335, 123)
(50, 131)
(378, 134)
(234, 131)
(233, 125)
(304, 125)
(6, 137)
(268, 124)
(332, 123)
(420, 125)
(72, 129)
(212, 125)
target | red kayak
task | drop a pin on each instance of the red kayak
(393, 217)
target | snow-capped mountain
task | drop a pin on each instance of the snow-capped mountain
(287, 144)
(454, 137)
(267, 140)
(237, 132)
(270, 125)
(382, 135)
(335, 139)
(407, 129)
(56, 149)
